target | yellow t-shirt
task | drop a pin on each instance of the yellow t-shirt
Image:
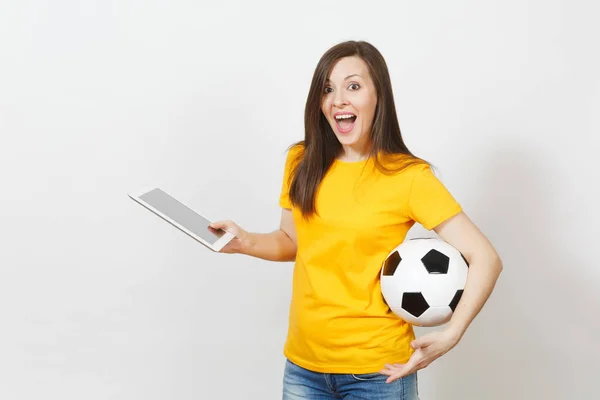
(339, 321)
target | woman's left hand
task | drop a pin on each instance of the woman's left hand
(427, 349)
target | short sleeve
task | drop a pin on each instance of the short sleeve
(429, 201)
(290, 162)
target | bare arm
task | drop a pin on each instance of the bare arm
(279, 245)
(484, 268)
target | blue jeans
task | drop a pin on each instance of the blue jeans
(300, 383)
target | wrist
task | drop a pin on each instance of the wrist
(455, 332)
(247, 242)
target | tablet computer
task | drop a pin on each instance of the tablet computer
(182, 217)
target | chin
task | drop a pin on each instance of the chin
(346, 142)
(347, 139)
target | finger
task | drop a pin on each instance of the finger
(387, 371)
(394, 365)
(402, 372)
(213, 229)
(390, 368)
(227, 226)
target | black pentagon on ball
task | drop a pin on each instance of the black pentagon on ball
(456, 299)
(391, 263)
(414, 303)
(436, 262)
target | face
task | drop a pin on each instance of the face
(349, 102)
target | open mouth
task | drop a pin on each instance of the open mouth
(345, 122)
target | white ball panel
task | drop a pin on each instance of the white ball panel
(439, 290)
(434, 316)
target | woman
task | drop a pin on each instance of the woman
(351, 191)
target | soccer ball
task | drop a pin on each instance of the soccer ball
(422, 281)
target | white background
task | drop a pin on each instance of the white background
(99, 299)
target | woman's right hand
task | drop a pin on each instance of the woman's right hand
(239, 242)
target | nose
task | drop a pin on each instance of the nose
(339, 98)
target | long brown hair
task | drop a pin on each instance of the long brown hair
(320, 146)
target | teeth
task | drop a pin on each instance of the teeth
(338, 117)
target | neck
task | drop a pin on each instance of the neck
(352, 154)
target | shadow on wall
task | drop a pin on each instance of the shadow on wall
(537, 335)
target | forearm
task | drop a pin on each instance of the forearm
(481, 280)
(273, 246)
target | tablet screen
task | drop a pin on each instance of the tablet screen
(181, 214)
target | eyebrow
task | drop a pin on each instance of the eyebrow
(346, 78)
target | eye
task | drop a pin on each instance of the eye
(327, 89)
(354, 85)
